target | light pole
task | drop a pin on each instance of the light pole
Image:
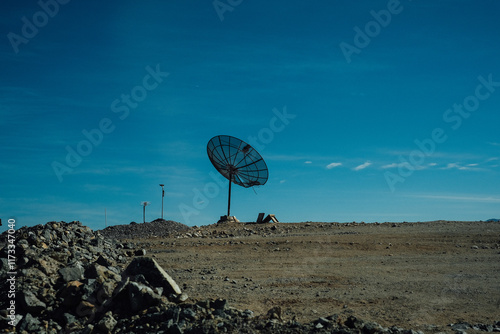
(162, 195)
(144, 204)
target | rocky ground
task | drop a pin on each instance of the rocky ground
(248, 278)
(154, 229)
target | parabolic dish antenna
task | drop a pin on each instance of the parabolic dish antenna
(238, 162)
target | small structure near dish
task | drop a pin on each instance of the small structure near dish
(270, 218)
(230, 219)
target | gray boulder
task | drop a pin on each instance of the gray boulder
(142, 297)
(154, 274)
(72, 273)
(31, 303)
(101, 273)
(29, 324)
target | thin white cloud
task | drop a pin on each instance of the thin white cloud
(486, 199)
(455, 165)
(494, 165)
(333, 165)
(308, 162)
(436, 155)
(393, 165)
(362, 166)
(282, 181)
(401, 164)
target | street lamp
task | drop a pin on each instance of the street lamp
(162, 195)
(144, 204)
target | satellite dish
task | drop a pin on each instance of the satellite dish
(238, 162)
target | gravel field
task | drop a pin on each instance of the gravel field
(415, 275)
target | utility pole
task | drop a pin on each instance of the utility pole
(162, 195)
(144, 205)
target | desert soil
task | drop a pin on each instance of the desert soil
(413, 275)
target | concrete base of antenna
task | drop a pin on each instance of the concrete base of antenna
(228, 219)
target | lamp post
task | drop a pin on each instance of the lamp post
(144, 204)
(162, 195)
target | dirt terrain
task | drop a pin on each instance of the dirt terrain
(414, 275)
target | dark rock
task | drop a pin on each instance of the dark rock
(188, 314)
(173, 313)
(371, 328)
(29, 324)
(88, 288)
(69, 318)
(354, 323)
(61, 255)
(120, 288)
(23, 244)
(129, 245)
(101, 273)
(105, 292)
(274, 313)
(85, 308)
(107, 323)
(103, 261)
(71, 293)
(247, 314)
(4, 265)
(219, 304)
(140, 252)
(47, 234)
(485, 327)
(31, 303)
(48, 265)
(139, 279)
(72, 273)
(142, 297)
(396, 330)
(174, 329)
(463, 326)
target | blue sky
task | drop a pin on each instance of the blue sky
(364, 111)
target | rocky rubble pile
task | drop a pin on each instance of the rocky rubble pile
(156, 228)
(69, 278)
